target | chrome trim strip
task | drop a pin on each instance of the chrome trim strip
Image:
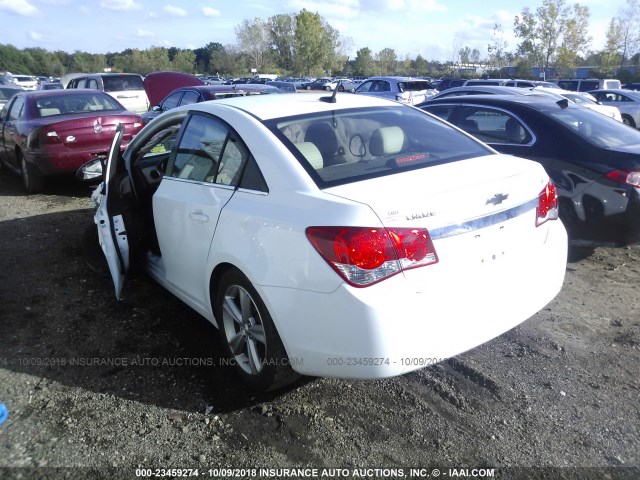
(483, 222)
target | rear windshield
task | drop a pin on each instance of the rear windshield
(347, 146)
(599, 129)
(85, 102)
(122, 83)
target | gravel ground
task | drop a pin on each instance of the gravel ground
(97, 387)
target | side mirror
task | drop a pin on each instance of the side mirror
(92, 170)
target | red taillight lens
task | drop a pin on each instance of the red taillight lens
(45, 136)
(364, 256)
(547, 204)
(630, 177)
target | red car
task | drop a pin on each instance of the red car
(52, 132)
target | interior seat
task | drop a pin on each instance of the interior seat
(386, 141)
(311, 153)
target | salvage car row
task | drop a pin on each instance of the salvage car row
(336, 235)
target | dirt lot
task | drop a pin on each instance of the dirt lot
(93, 382)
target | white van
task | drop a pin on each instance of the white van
(126, 88)
(586, 84)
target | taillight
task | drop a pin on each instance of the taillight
(630, 177)
(547, 204)
(42, 137)
(364, 256)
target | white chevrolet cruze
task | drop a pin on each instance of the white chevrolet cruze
(343, 236)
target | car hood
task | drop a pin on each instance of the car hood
(160, 84)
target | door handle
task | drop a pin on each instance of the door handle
(199, 217)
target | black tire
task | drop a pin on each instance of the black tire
(341, 88)
(249, 335)
(32, 182)
(627, 120)
(308, 87)
(328, 89)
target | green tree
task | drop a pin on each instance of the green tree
(610, 56)
(540, 33)
(420, 65)
(364, 64)
(575, 41)
(282, 30)
(184, 61)
(497, 49)
(387, 61)
(309, 34)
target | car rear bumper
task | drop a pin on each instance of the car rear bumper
(63, 160)
(408, 322)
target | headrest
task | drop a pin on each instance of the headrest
(311, 153)
(386, 141)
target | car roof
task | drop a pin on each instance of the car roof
(267, 107)
(399, 79)
(61, 92)
(537, 102)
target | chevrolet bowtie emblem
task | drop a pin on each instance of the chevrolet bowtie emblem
(497, 199)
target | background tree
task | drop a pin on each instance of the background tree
(253, 38)
(540, 33)
(184, 61)
(364, 64)
(575, 42)
(282, 30)
(629, 24)
(308, 37)
(387, 61)
(497, 48)
(609, 57)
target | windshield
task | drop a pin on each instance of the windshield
(599, 129)
(413, 86)
(84, 102)
(347, 146)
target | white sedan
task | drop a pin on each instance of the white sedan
(349, 237)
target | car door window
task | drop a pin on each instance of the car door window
(15, 111)
(209, 151)
(494, 126)
(171, 101)
(92, 83)
(190, 97)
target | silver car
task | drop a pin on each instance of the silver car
(627, 101)
(402, 89)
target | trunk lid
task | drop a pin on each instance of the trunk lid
(452, 198)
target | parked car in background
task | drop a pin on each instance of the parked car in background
(25, 81)
(342, 84)
(402, 89)
(56, 131)
(298, 226)
(8, 91)
(448, 82)
(586, 100)
(587, 84)
(287, 87)
(486, 90)
(317, 84)
(203, 93)
(505, 82)
(593, 160)
(631, 86)
(627, 101)
(49, 86)
(126, 88)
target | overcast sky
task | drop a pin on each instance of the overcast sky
(431, 28)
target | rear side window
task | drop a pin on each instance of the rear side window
(121, 83)
(586, 85)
